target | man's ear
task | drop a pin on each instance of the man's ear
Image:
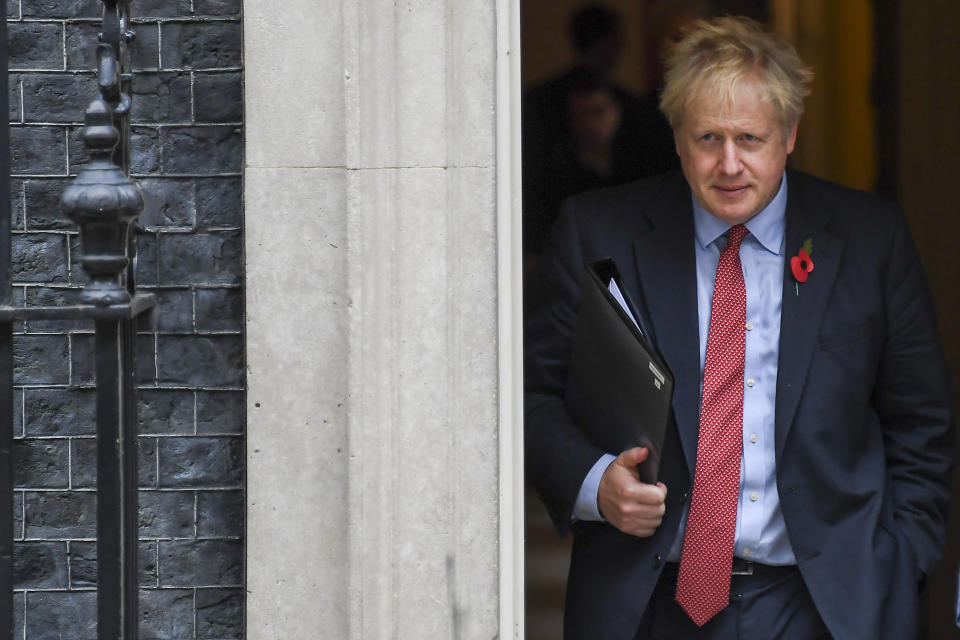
(792, 137)
(676, 141)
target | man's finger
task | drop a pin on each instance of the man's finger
(632, 457)
(649, 494)
(663, 491)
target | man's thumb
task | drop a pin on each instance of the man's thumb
(632, 457)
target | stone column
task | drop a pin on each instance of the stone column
(372, 334)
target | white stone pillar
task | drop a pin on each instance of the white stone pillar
(372, 319)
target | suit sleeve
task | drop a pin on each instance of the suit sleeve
(558, 456)
(913, 400)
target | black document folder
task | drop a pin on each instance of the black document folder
(618, 387)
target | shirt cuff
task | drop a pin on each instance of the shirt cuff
(585, 508)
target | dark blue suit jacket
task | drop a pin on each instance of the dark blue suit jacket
(863, 420)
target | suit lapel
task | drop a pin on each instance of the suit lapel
(666, 270)
(803, 303)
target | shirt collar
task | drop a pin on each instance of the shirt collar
(767, 227)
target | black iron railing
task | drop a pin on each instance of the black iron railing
(104, 203)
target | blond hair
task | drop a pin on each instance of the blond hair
(715, 56)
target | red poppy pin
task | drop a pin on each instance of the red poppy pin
(802, 264)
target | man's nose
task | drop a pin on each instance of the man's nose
(730, 158)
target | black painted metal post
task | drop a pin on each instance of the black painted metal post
(116, 483)
(104, 203)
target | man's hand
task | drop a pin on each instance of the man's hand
(631, 506)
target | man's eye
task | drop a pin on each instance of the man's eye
(750, 138)
(708, 137)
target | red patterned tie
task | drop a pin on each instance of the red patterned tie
(703, 585)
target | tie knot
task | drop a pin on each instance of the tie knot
(735, 236)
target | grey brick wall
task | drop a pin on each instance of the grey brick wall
(187, 157)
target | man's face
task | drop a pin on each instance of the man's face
(733, 158)
(594, 118)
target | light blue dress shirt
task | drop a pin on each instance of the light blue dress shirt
(761, 534)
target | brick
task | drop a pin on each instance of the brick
(166, 614)
(220, 412)
(201, 258)
(175, 310)
(83, 359)
(202, 150)
(144, 150)
(83, 564)
(160, 97)
(52, 615)
(41, 464)
(166, 514)
(55, 412)
(146, 359)
(147, 563)
(37, 150)
(16, 204)
(60, 98)
(78, 152)
(83, 462)
(39, 257)
(78, 277)
(40, 360)
(54, 296)
(40, 295)
(147, 244)
(60, 514)
(166, 412)
(81, 41)
(83, 455)
(200, 45)
(160, 8)
(200, 462)
(34, 45)
(219, 310)
(220, 614)
(19, 326)
(219, 8)
(188, 563)
(18, 515)
(168, 202)
(146, 322)
(18, 413)
(13, 97)
(219, 202)
(40, 565)
(219, 97)
(62, 8)
(220, 514)
(82, 46)
(42, 204)
(145, 49)
(215, 361)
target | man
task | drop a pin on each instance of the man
(639, 140)
(805, 474)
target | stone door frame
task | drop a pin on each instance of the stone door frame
(509, 273)
(383, 319)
